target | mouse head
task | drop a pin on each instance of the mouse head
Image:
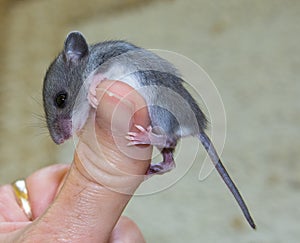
(62, 83)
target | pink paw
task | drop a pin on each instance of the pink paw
(93, 101)
(146, 136)
(161, 168)
(92, 98)
(143, 136)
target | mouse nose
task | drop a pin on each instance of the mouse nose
(59, 140)
(62, 130)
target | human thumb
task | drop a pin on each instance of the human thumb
(104, 174)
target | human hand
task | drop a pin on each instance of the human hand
(84, 202)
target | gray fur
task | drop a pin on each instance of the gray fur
(75, 64)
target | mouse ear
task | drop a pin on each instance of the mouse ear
(75, 47)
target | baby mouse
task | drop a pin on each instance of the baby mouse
(69, 91)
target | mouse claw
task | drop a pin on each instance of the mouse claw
(131, 134)
(131, 144)
(92, 90)
(93, 101)
(130, 137)
(142, 129)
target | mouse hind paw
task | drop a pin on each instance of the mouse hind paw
(165, 166)
(147, 136)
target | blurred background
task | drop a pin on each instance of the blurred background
(251, 51)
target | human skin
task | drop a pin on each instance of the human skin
(84, 202)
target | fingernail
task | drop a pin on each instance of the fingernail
(118, 97)
(117, 109)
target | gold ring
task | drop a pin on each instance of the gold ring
(21, 194)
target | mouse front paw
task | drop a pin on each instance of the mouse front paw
(92, 94)
(93, 101)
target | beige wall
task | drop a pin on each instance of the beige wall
(250, 49)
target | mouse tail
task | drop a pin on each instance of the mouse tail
(205, 140)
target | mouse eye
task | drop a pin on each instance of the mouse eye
(60, 99)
